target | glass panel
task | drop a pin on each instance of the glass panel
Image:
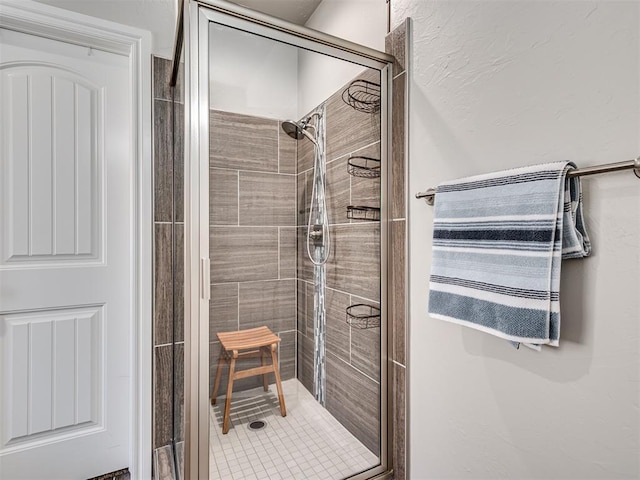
(295, 248)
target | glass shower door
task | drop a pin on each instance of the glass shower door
(293, 153)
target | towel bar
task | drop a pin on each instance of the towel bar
(429, 194)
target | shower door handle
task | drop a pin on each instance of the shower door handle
(205, 279)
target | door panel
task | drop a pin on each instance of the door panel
(53, 159)
(66, 177)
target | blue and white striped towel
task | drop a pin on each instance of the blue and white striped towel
(498, 241)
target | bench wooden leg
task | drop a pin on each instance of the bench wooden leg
(276, 371)
(216, 384)
(227, 403)
(265, 378)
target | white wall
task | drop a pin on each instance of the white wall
(500, 84)
(360, 21)
(252, 75)
(156, 16)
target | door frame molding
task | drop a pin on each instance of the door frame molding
(62, 25)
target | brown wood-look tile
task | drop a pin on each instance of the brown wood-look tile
(305, 267)
(163, 296)
(398, 147)
(305, 155)
(336, 304)
(397, 306)
(223, 309)
(238, 385)
(162, 160)
(179, 393)
(243, 142)
(310, 307)
(223, 196)
(164, 134)
(287, 355)
(267, 199)
(178, 135)
(162, 428)
(365, 345)
(179, 282)
(270, 303)
(354, 263)
(399, 422)
(163, 463)
(366, 191)
(395, 44)
(348, 129)
(287, 252)
(301, 304)
(161, 78)
(240, 254)
(288, 151)
(354, 400)
(303, 187)
(338, 193)
(305, 361)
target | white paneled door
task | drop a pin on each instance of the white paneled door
(66, 282)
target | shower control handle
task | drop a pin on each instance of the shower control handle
(316, 235)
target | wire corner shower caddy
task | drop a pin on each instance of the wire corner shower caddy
(363, 316)
(364, 167)
(363, 96)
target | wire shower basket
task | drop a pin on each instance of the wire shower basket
(366, 167)
(362, 95)
(363, 316)
(361, 212)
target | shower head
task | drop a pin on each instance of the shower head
(293, 129)
(297, 130)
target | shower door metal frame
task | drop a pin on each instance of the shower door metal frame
(197, 15)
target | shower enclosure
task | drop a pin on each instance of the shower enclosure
(285, 227)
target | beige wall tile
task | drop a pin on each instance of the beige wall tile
(223, 196)
(354, 263)
(354, 400)
(288, 254)
(287, 149)
(223, 309)
(243, 142)
(240, 254)
(270, 303)
(267, 199)
(397, 142)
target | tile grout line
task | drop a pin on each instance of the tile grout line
(398, 364)
(245, 170)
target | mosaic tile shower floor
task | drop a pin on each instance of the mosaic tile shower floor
(307, 444)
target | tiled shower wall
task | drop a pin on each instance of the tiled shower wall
(168, 127)
(353, 270)
(252, 236)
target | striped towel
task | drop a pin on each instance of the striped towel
(498, 241)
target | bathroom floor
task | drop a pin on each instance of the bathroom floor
(306, 444)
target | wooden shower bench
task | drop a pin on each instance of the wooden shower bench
(254, 342)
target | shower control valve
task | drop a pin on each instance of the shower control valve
(316, 235)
